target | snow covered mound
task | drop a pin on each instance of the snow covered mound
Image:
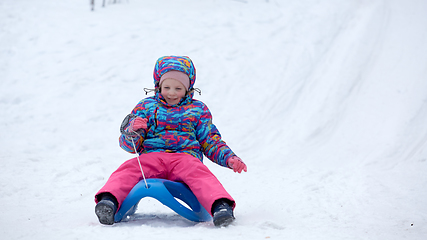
(326, 102)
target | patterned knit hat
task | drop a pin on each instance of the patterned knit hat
(174, 63)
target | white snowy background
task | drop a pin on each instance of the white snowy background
(326, 102)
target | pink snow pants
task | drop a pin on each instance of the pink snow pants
(180, 167)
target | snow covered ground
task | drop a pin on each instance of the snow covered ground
(326, 102)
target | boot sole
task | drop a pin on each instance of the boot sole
(105, 214)
(223, 221)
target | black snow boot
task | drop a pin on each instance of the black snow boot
(222, 213)
(106, 209)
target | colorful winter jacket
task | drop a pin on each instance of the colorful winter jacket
(183, 128)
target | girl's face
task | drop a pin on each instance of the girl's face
(172, 90)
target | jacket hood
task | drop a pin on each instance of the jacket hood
(177, 63)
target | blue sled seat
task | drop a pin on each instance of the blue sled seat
(164, 191)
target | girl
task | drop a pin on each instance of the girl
(171, 132)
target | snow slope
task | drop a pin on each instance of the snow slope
(326, 102)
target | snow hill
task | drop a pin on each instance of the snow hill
(326, 102)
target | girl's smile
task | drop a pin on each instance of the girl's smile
(172, 90)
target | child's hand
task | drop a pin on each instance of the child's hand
(237, 164)
(138, 123)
